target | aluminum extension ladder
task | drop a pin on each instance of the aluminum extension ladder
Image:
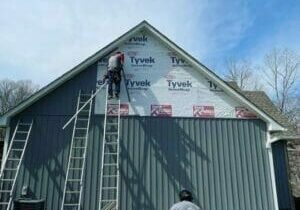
(109, 178)
(73, 188)
(12, 162)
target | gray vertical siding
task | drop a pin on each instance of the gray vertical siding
(222, 161)
(62, 100)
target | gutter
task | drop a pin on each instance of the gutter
(278, 138)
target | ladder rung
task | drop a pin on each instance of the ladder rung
(17, 149)
(77, 157)
(111, 142)
(110, 153)
(7, 180)
(75, 168)
(19, 140)
(73, 192)
(79, 137)
(110, 176)
(81, 128)
(9, 169)
(109, 188)
(5, 191)
(82, 119)
(22, 131)
(24, 123)
(13, 159)
(78, 147)
(85, 94)
(111, 133)
(110, 164)
(71, 204)
(73, 180)
(4, 203)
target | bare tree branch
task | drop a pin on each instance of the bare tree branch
(13, 92)
(281, 68)
(241, 72)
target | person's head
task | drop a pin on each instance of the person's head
(118, 52)
(185, 195)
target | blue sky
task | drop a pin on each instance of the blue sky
(40, 40)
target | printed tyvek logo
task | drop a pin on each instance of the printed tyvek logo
(138, 40)
(213, 86)
(138, 84)
(142, 61)
(176, 61)
(179, 85)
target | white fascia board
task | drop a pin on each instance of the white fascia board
(274, 126)
(89, 61)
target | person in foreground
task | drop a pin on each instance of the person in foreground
(185, 203)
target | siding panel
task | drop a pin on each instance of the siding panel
(224, 162)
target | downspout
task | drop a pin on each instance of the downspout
(272, 170)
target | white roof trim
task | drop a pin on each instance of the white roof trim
(278, 138)
(274, 126)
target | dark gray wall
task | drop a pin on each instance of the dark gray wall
(282, 178)
(62, 101)
(223, 162)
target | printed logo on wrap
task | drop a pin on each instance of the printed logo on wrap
(112, 109)
(178, 82)
(242, 112)
(203, 111)
(141, 40)
(176, 61)
(137, 60)
(213, 87)
(137, 84)
(177, 85)
(161, 110)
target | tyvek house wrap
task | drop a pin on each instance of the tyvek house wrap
(160, 83)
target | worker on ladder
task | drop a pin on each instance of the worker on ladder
(113, 74)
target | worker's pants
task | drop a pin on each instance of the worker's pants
(114, 77)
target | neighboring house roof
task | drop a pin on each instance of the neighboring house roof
(273, 124)
(261, 100)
